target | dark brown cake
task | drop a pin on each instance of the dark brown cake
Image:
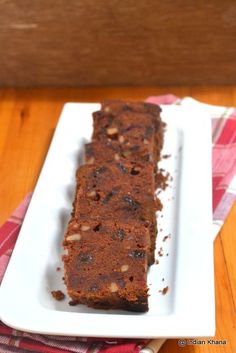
(104, 193)
(129, 129)
(101, 151)
(98, 152)
(110, 239)
(107, 268)
(130, 124)
(99, 237)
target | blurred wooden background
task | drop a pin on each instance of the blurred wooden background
(113, 42)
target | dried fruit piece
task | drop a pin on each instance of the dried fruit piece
(148, 157)
(84, 228)
(121, 139)
(90, 160)
(121, 282)
(85, 258)
(113, 287)
(112, 131)
(116, 157)
(124, 268)
(108, 197)
(94, 288)
(135, 171)
(118, 235)
(73, 237)
(75, 226)
(137, 254)
(99, 171)
(126, 153)
(93, 195)
(97, 227)
(122, 168)
(131, 202)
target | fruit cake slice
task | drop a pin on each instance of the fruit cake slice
(106, 266)
(118, 191)
(130, 123)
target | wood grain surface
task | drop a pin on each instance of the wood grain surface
(129, 42)
(27, 122)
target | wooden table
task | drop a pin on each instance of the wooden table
(27, 121)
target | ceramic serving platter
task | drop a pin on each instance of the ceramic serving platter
(184, 269)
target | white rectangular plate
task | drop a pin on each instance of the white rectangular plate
(186, 264)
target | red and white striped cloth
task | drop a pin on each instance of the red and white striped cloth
(223, 152)
(224, 194)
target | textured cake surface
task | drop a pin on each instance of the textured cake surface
(104, 192)
(110, 239)
(107, 267)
